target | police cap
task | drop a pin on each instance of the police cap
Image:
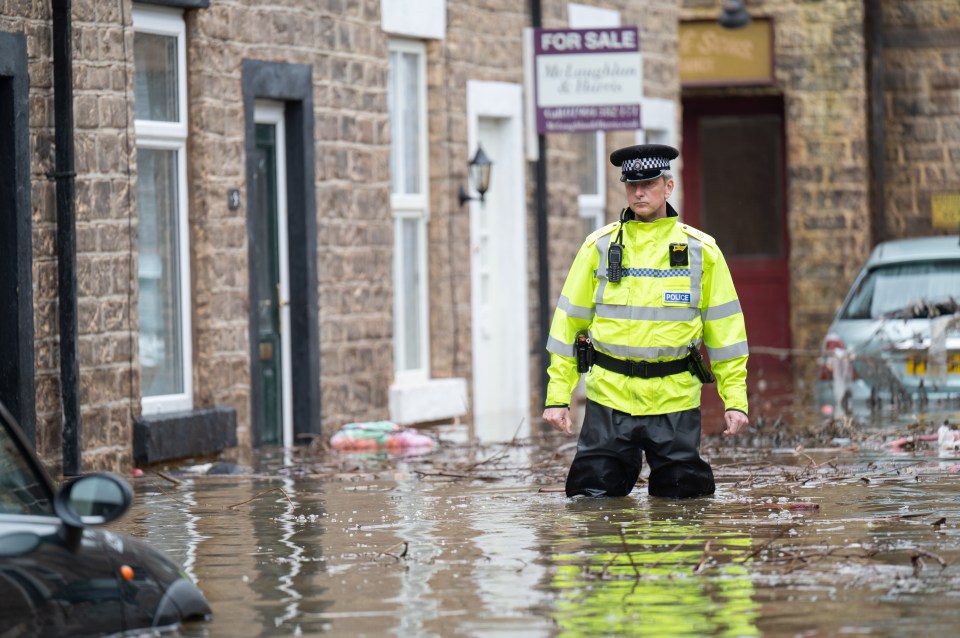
(643, 162)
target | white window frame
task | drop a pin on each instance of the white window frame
(593, 205)
(660, 127)
(172, 136)
(406, 206)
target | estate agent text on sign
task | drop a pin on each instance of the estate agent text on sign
(587, 79)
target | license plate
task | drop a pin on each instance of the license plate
(917, 363)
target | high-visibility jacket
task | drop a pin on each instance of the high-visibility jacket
(652, 314)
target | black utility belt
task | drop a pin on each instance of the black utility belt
(587, 356)
(642, 369)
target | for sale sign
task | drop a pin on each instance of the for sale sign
(587, 79)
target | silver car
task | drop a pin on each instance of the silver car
(895, 342)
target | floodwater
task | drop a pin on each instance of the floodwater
(852, 539)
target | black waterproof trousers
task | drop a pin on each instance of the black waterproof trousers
(609, 454)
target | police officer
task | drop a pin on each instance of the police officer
(641, 296)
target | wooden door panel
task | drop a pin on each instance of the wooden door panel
(734, 190)
(267, 269)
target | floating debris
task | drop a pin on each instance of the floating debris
(377, 435)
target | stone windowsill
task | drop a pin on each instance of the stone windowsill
(429, 400)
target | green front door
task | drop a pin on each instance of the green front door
(267, 273)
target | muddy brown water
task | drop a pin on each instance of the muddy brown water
(852, 539)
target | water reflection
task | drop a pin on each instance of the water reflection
(652, 568)
(416, 547)
(172, 524)
(294, 556)
(417, 537)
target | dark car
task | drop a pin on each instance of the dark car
(61, 577)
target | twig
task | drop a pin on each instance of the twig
(603, 570)
(175, 499)
(167, 477)
(388, 552)
(917, 554)
(502, 451)
(703, 559)
(807, 456)
(879, 474)
(763, 546)
(447, 474)
(452, 475)
(790, 557)
(272, 489)
(626, 548)
(673, 549)
(814, 464)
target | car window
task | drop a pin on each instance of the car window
(21, 490)
(906, 291)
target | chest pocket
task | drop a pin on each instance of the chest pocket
(680, 284)
(612, 294)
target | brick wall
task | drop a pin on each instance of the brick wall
(922, 104)
(343, 42)
(821, 66)
(105, 228)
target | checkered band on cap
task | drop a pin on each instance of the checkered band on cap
(645, 164)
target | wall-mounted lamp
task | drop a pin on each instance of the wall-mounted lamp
(479, 175)
(734, 15)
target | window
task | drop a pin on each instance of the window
(163, 274)
(906, 291)
(659, 118)
(591, 164)
(22, 489)
(408, 200)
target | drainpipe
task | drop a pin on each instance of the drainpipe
(543, 261)
(66, 233)
(876, 122)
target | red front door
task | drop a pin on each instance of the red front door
(734, 189)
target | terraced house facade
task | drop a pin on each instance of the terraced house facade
(227, 224)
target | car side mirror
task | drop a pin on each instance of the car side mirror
(93, 499)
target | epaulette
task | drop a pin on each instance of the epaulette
(600, 232)
(698, 234)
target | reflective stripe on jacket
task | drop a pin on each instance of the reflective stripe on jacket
(652, 314)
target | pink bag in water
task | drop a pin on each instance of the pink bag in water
(378, 435)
